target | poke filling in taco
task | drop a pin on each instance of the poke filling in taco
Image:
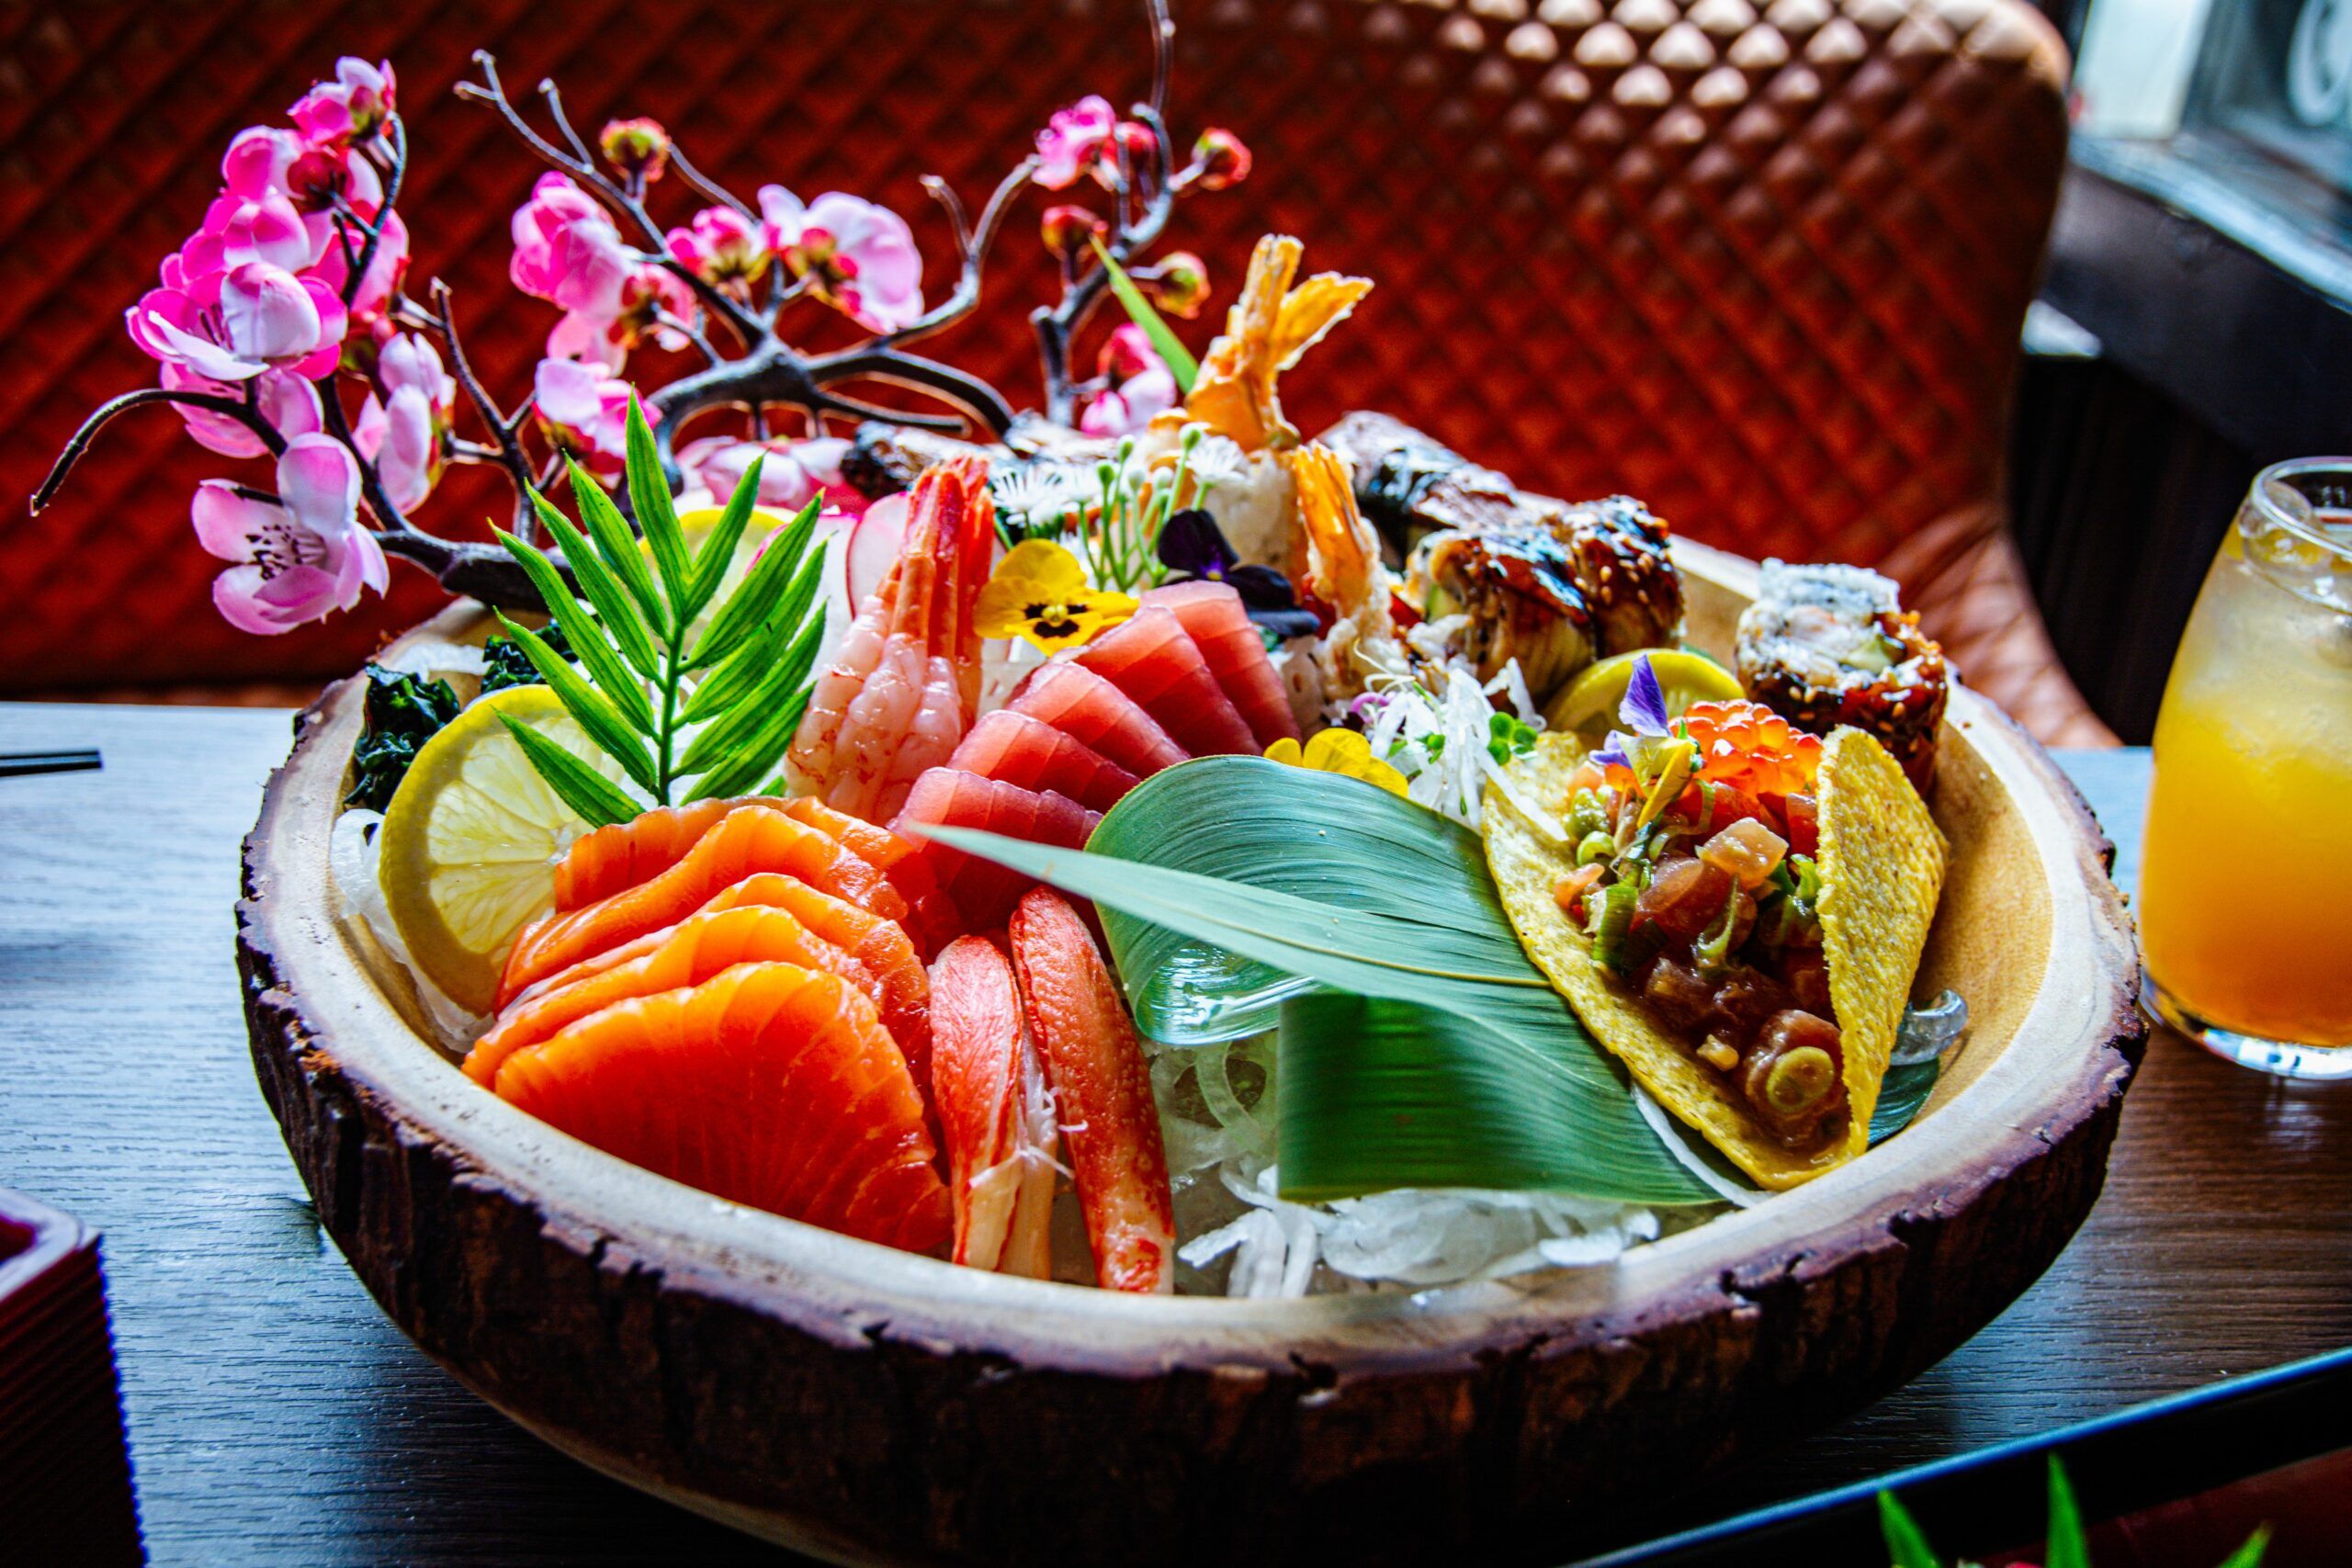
(1698, 883)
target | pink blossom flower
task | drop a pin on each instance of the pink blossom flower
(860, 258)
(401, 433)
(385, 271)
(723, 247)
(1073, 140)
(288, 401)
(353, 107)
(567, 251)
(263, 318)
(650, 298)
(793, 473)
(299, 556)
(585, 412)
(1139, 385)
(253, 218)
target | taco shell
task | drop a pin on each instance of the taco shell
(1882, 864)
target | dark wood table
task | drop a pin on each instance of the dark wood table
(275, 1416)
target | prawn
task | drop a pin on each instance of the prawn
(1343, 570)
(905, 683)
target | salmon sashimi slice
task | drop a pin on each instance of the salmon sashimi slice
(748, 839)
(1150, 657)
(684, 954)
(1101, 1093)
(768, 1085)
(1015, 748)
(878, 944)
(930, 920)
(982, 889)
(1094, 713)
(995, 1113)
(623, 855)
(1213, 617)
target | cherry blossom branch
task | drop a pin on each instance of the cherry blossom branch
(243, 412)
(505, 429)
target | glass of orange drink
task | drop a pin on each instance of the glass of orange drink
(2245, 881)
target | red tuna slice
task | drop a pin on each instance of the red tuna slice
(1094, 713)
(951, 797)
(1018, 750)
(1152, 659)
(1213, 617)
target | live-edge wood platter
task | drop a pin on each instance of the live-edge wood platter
(866, 1404)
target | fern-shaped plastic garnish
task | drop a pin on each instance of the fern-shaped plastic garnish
(692, 705)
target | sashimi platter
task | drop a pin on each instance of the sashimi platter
(945, 984)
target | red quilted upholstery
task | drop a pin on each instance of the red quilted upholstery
(1762, 265)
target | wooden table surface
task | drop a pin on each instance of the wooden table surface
(277, 1417)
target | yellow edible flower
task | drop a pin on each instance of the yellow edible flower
(1343, 751)
(1039, 592)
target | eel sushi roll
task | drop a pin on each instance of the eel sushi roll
(1830, 645)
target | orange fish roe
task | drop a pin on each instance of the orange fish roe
(1748, 746)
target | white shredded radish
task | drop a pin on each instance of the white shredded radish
(352, 849)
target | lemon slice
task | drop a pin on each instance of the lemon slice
(471, 841)
(1587, 707)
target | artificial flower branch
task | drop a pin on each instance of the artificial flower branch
(294, 283)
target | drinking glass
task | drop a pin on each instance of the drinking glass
(2246, 880)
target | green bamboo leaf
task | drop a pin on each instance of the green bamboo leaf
(742, 670)
(1906, 1543)
(657, 514)
(786, 574)
(718, 547)
(1403, 911)
(618, 544)
(614, 605)
(2250, 1555)
(594, 713)
(2067, 1546)
(1900, 1095)
(1180, 361)
(726, 734)
(591, 794)
(588, 639)
(759, 754)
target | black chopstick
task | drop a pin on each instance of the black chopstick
(15, 764)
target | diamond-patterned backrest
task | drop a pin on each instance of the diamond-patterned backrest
(1762, 265)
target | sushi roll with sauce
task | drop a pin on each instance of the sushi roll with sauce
(1830, 645)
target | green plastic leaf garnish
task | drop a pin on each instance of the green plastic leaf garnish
(694, 695)
(1233, 890)
(1179, 359)
(1906, 1544)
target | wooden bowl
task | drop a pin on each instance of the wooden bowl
(864, 1404)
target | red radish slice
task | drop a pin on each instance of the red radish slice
(983, 890)
(874, 541)
(1213, 617)
(1102, 1093)
(1096, 714)
(1027, 752)
(1152, 659)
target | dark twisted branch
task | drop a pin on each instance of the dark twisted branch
(243, 412)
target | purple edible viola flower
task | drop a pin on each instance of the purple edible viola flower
(1192, 544)
(1643, 707)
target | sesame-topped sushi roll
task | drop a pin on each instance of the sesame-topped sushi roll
(1831, 645)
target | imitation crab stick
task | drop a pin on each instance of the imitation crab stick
(748, 840)
(769, 1085)
(1101, 1091)
(996, 1114)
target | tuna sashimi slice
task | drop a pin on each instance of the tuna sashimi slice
(1094, 713)
(1102, 1093)
(1213, 617)
(983, 890)
(769, 1085)
(1019, 749)
(1152, 659)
